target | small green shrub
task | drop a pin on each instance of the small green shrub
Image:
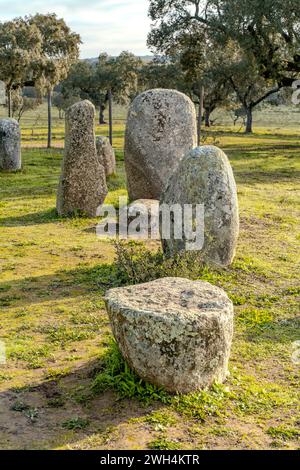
(118, 376)
(164, 444)
(136, 264)
(75, 424)
(283, 433)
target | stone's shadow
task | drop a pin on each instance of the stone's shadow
(56, 402)
(59, 285)
(275, 331)
(36, 218)
(255, 177)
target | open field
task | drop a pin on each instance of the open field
(54, 273)
(270, 122)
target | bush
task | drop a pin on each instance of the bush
(117, 375)
(136, 264)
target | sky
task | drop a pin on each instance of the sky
(110, 26)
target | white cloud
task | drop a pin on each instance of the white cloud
(104, 25)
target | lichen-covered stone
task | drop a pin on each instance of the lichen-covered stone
(161, 128)
(10, 145)
(173, 332)
(205, 177)
(106, 155)
(82, 187)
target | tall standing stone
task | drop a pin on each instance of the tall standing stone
(161, 129)
(205, 177)
(82, 186)
(106, 155)
(10, 145)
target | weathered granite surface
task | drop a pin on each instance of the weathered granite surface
(205, 177)
(173, 332)
(10, 145)
(106, 155)
(82, 187)
(161, 128)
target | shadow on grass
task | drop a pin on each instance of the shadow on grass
(281, 331)
(61, 285)
(281, 175)
(65, 411)
(35, 218)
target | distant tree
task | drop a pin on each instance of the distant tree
(20, 48)
(59, 50)
(115, 77)
(118, 78)
(62, 103)
(203, 63)
(79, 85)
(21, 104)
(250, 88)
(163, 72)
(216, 54)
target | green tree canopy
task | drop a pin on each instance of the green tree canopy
(267, 31)
(20, 51)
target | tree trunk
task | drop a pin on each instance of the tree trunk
(201, 102)
(110, 117)
(101, 114)
(49, 99)
(207, 118)
(249, 122)
(9, 103)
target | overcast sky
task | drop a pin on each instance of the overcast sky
(104, 25)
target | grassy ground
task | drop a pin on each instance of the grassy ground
(55, 271)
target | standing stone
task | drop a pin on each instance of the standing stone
(10, 145)
(161, 128)
(82, 186)
(106, 155)
(205, 177)
(173, 332)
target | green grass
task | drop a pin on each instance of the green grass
(61, 363)
(75, 424)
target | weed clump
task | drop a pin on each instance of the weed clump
(117, 375)
(136, 264)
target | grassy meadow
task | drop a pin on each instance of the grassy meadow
(64, 385)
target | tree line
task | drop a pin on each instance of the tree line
(36, 51)
(222, 53)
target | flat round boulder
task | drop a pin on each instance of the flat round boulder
(173, 332)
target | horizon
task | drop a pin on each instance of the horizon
(104, 25)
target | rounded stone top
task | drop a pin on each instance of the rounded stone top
(102, 139)
(207, 155)
(10, 131)
(9, 125)
(80, 109)
(9, 121)
(170, 297)
(162, 98)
